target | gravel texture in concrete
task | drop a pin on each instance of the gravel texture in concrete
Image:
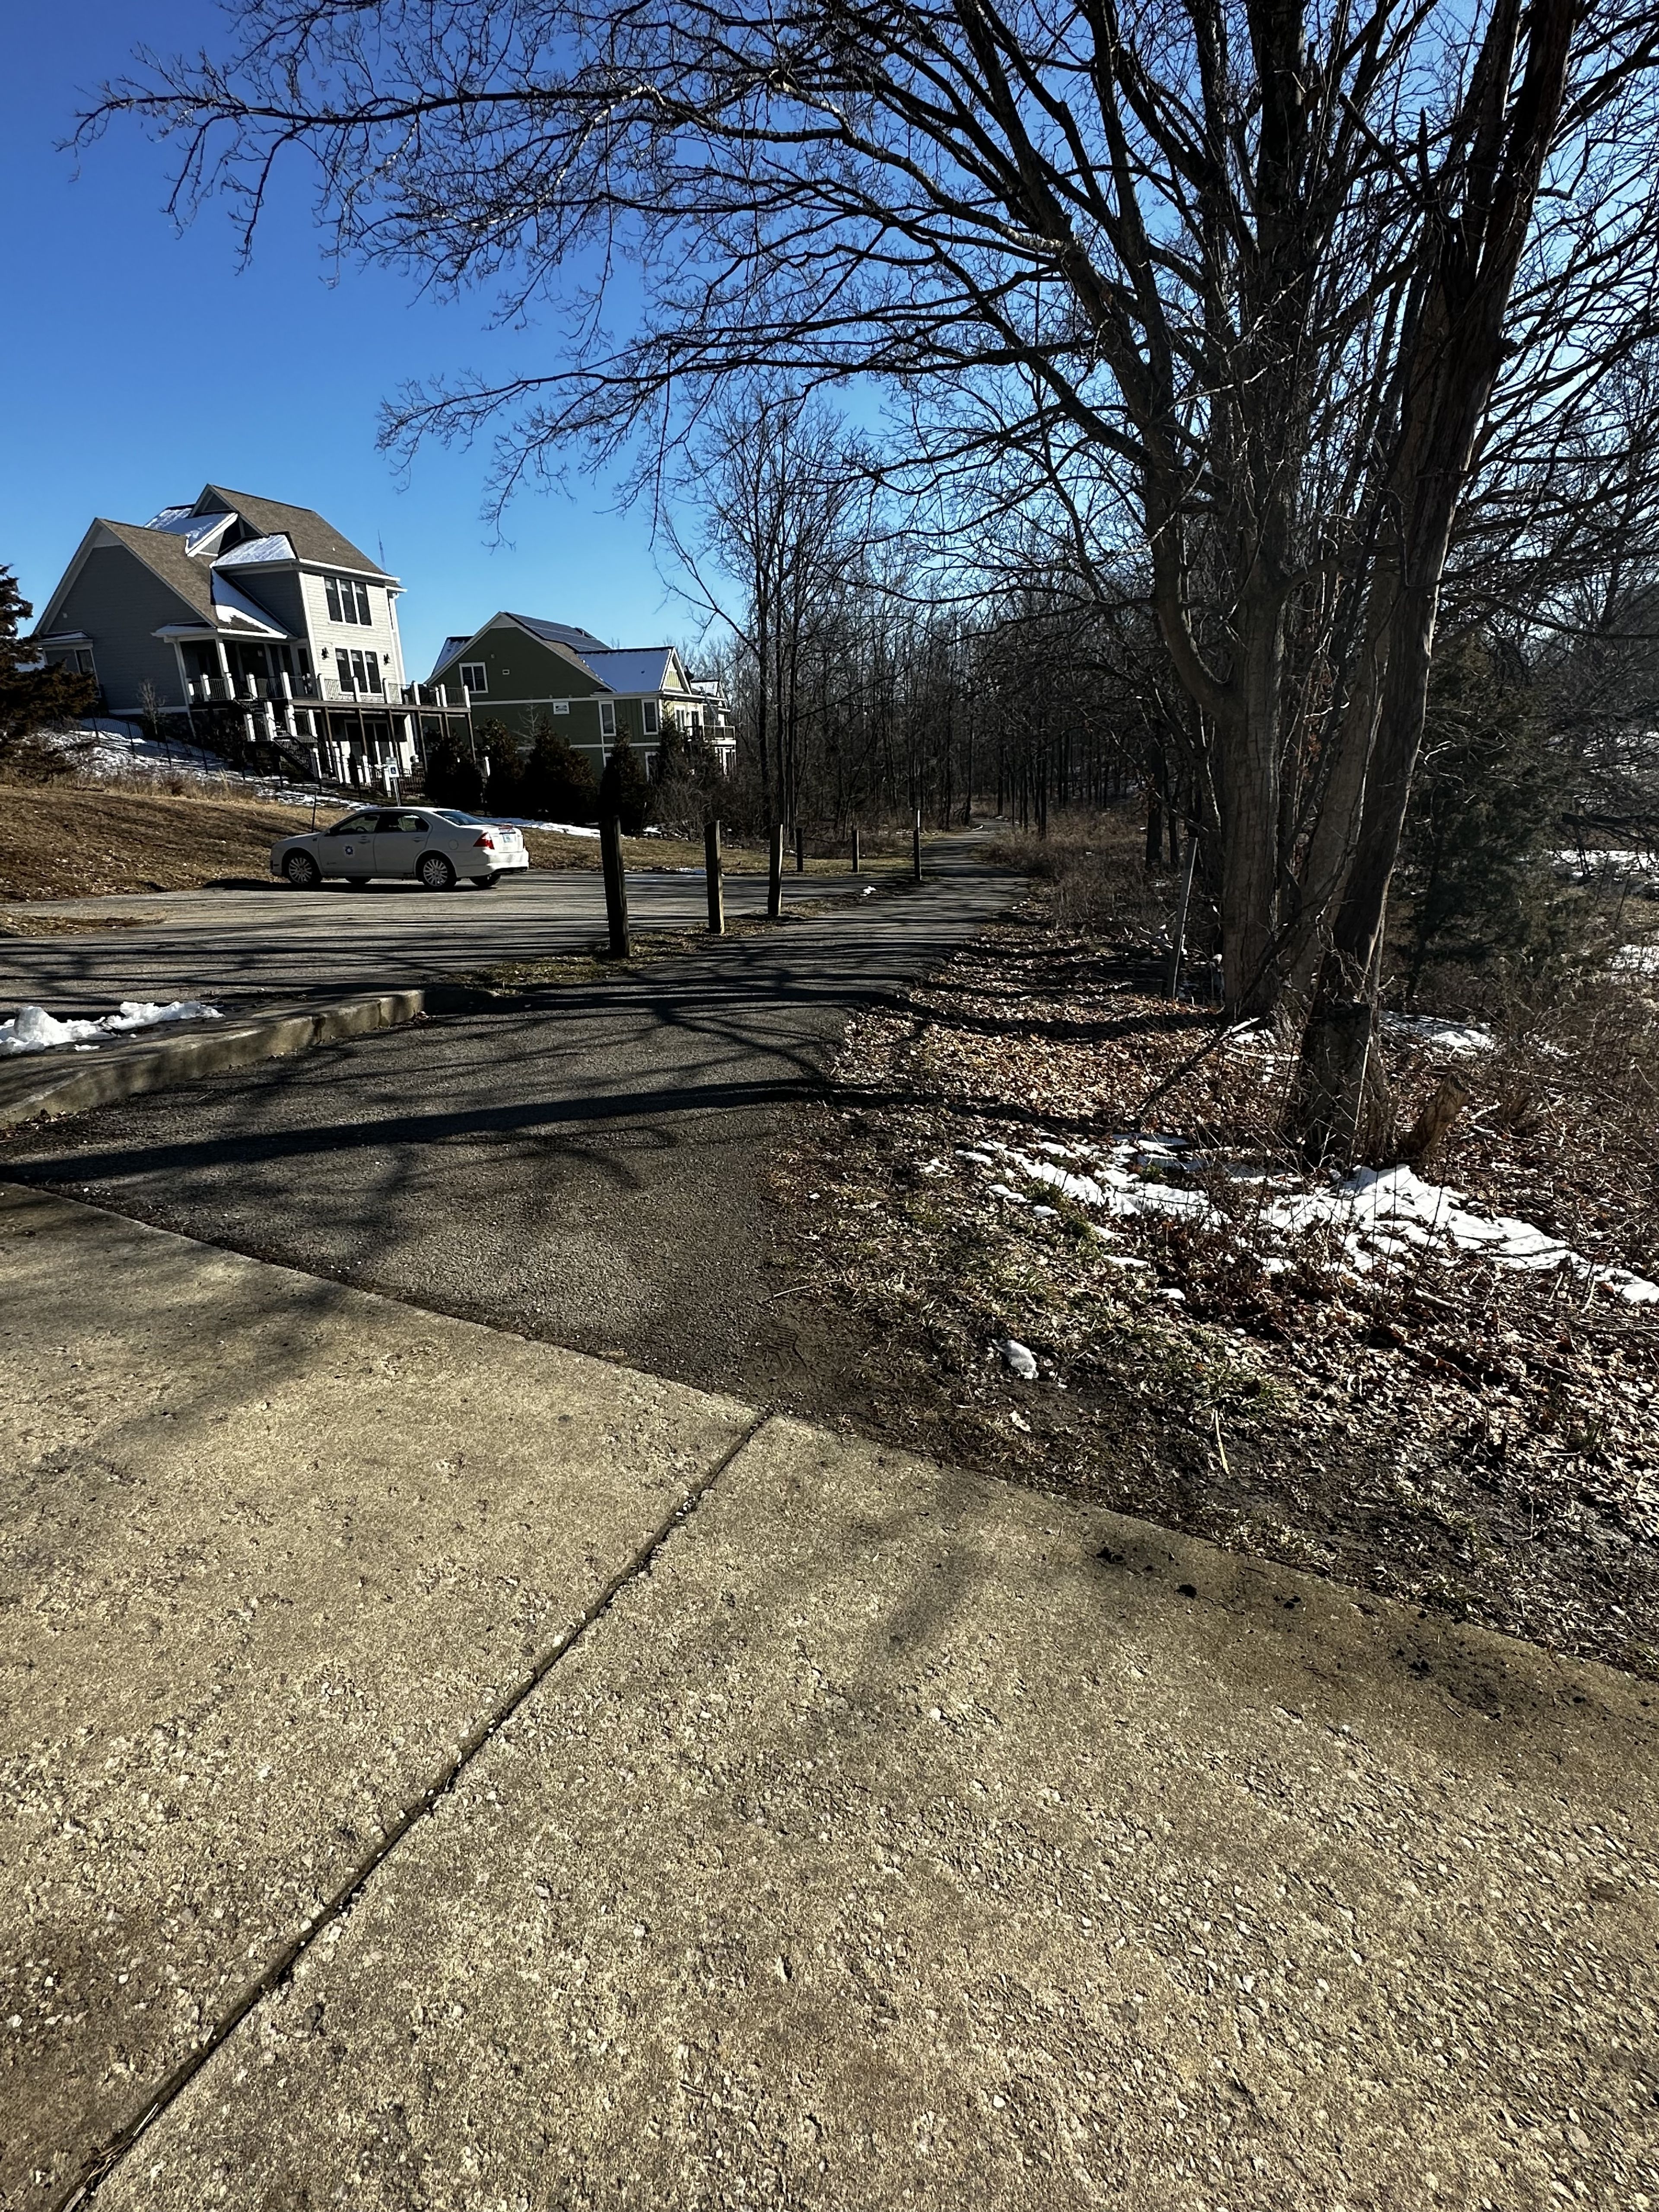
(270, 1550)
(899, 1838)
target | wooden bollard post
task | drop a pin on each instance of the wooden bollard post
(774, 882)
(855, 850)
(610, 859)
(916, 847)
(711, 858)
(800, 850)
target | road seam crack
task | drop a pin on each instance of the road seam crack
(280, 1970)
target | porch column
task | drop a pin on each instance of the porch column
(183, 684)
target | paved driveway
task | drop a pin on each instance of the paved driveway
(588, 1169)
(236, 945)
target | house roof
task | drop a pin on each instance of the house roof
(212, 599)
(580, 640)
(626, 669)
(199, 530)
(257, 552)
(311, 536)
(639, 668)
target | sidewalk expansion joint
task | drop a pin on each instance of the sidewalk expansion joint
(280, 1970)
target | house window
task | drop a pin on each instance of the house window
(347, 600)
(372, 662)
(475, 677)
(607, 717)
(651, 719)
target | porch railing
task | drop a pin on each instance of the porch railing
(323, 690)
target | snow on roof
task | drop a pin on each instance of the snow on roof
(196, 530)
(635, 668)
(230, 606)
(278, 547)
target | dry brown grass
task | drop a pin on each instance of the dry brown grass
(73, 840)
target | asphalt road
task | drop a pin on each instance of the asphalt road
(238, 946)
(589, 1168)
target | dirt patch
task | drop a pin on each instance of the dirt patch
(83, 841)
(1479, 1440)
(18, 922)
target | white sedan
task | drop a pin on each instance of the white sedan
(435, 845)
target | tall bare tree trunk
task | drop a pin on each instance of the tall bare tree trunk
(1451, 361)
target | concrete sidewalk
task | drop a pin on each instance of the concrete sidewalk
(443, 1770)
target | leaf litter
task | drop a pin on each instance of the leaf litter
(1434, 1381)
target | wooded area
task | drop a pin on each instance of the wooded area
(1218, 361)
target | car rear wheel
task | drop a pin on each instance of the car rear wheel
(435, 872)
(302, 872)
(489, 883)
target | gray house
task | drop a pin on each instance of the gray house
(252, 610)
(521, 670)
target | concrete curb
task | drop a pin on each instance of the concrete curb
(163, 1063)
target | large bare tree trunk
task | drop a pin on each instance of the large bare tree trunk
(1450, 364)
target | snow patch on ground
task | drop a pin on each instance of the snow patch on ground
(1377, 1215)
(102, 747)
(1441, 1036)
(31, 1029)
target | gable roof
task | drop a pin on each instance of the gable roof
(556, 636)
(215, 602)
(644, 668)
(311, 536)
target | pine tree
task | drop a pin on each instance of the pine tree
(558, 783)
(32, 698)
(1475, 859)
(452, 778)
(632, 787)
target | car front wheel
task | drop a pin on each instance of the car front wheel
(302, 872)
(435, 872)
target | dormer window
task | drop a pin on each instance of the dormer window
(347, 599)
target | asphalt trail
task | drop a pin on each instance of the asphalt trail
(589, 1169)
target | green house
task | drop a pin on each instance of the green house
(518, 669)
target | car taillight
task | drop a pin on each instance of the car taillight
(486, 841)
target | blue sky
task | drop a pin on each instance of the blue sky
(142, 364)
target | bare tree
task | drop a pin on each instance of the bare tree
(1241, 284)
